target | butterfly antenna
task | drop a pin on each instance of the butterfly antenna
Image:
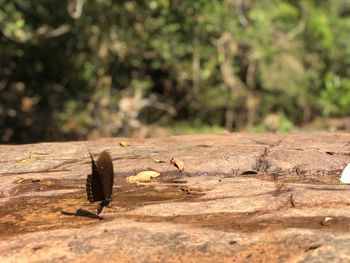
(92, 159)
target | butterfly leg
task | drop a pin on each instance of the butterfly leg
(102, 204)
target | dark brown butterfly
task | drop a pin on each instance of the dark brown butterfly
(99, 183)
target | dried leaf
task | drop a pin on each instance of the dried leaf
(124, 143)
(20, 180)
(29, 159)
(142, 177)
(158, 161)
(178, 164)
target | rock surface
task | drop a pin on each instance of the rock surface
(241, 198)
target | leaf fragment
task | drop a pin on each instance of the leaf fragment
(180, 165)
(326, 221)
(142, 177)
(124, 143)
(158, 161)
(20, 180)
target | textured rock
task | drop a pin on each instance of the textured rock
(241, 198)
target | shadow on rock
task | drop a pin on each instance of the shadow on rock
(83, 213)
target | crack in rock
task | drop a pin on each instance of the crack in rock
(262, 164)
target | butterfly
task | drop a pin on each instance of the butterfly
(99, 183)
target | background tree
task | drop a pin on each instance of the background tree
(80, 68)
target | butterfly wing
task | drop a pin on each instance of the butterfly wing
(104, 167)
(94, 189)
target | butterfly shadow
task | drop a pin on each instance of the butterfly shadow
(82, 213)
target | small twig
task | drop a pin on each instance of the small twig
(51, 33)
(75, 9)
(292, 200)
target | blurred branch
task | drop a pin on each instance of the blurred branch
(250, 77)
(196, 65)
(241, 18)
(131, 106)
(44, 31)
(75, 8)
(300, 27)
(9, 37)
(50, 33)
(161, 106)
(226, 48)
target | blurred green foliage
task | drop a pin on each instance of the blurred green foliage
(78, 69)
